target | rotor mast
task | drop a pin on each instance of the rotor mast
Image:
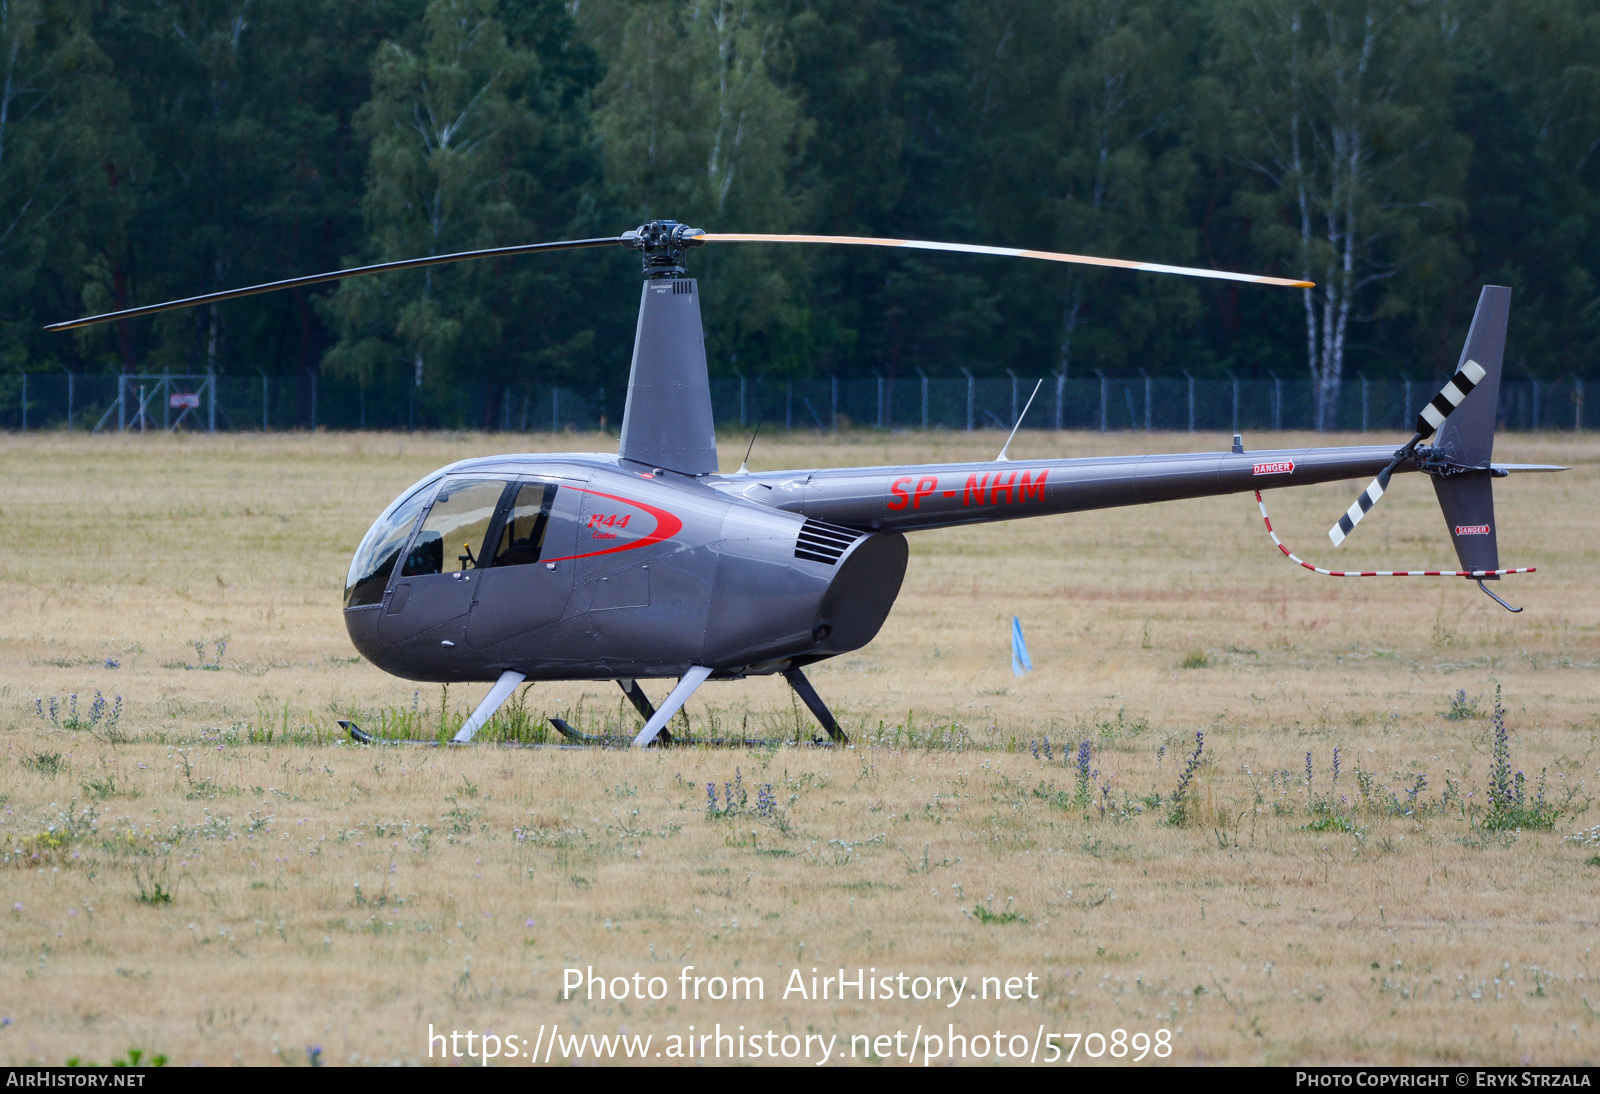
(667, 423)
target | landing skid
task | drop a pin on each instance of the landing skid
(663, 741)
(576, 739)
(654, 732)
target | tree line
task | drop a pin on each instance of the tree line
(1399, 153)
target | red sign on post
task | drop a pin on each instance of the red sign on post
(181, 399)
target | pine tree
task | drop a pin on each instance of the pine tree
(63, 139)
(695, 126)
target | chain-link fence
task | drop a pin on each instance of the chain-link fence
(195, 402)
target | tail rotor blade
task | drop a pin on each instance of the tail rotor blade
(1467, 377)
(1360, 507)
(1451, 396)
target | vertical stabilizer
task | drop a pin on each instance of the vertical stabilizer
(1467, 438)
(667, 422)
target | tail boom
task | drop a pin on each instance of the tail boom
(916, 497)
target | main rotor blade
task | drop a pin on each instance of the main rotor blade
(1459, 386)
(335, 275)
(1005, 252)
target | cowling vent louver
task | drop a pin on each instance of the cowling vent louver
(819, 542)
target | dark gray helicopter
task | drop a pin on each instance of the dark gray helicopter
(650, 564)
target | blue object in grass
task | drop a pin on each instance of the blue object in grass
(1020, 662)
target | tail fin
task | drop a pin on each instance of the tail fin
(1467, 439)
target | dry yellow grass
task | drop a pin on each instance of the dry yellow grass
(346, 897)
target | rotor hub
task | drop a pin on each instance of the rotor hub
(662, 243)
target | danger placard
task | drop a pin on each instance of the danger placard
(1277, 467)
(1472, 529)
(179, 400)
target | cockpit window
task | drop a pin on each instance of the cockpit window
(522, 535)
(380, 550)
(452, 534)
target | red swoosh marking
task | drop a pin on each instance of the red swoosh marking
(667, 526)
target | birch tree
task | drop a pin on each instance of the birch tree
(1340, 108)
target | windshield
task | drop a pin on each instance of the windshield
(453, 534)
(380, 549)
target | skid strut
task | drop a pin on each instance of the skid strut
(686, 685)
(641, 703)
(498, 694)
(813, 701)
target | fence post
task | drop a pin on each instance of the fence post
(1146, 376)
(1235, 380)
(211, 400)
(742, 415)
(164, 388)
(263, 399)
(70, 394)
(1061, 385)
(1277, 402)
(788, 404)
(1013, 376)
(1535, 404)
(1577, 404)
(24, 402)
(122, 404)
(971, 397)
(1105, 396)
(924, 377)
(833, 398)
(880, 397)
(1191, 399)
(555, 409)
(1405, 415)
(1366, 405)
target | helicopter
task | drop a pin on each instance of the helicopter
(651, 564)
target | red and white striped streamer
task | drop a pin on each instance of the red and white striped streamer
(1292, 557)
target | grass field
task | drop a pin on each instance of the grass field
(202, 868)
